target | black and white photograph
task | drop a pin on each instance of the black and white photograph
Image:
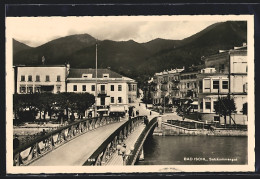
(119, 94)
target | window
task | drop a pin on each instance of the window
(37, 78)
(102, 87)
(22, 89)
(29, 89)
(207, 104)
(75, 88)
(112, 99)
(119, 99)
(58, 88)
(112, 88)
(92, 87)
(134, 88)
(30, 78)
(215, 105)
(225, 84)
(47, 78)
(37, 89)
(129, 87)
(102, 101)
(201, 105)
(58, 78)
(215, 84)
(22, 78)
(83, 87)
(216, 119)
(119, 87)
(106, 75)
(195, 85)
(207, 83)
(188, 85)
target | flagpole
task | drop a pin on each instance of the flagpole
(96, 84)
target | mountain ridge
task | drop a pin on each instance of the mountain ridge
(133, 59)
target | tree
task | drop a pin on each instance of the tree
(225, 106)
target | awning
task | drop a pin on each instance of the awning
(117, 109)
(102, 110)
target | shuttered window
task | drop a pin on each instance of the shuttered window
(207, 83)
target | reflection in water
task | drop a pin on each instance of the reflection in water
(194, 150)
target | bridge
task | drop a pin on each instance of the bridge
(94, 141)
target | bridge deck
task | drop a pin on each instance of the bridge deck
(130, 141)
(78, 150)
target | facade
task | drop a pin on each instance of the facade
(166, 86)
(225, 73)
(113, 93)
(188, 84)
(132, 91)
(40, 78)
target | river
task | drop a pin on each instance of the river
(194, 150)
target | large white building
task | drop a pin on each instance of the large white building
(114, 91)
(40, 78)
(225, 73)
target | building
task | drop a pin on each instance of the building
(166, 87)
(40, 78)
(114, 91)
(189, 87)
(225, 73)
(132, 90)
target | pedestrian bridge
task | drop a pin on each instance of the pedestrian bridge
(94, 141)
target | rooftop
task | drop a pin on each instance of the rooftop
(77, 73)
(41, 65)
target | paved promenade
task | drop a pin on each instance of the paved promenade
(78, 150)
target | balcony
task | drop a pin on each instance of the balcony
(176, 81)
(102, 92)
(175, 88)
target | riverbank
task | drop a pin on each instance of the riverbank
(167, 129)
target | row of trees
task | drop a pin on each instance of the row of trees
(51, 103)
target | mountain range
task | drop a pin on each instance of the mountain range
(130, 58)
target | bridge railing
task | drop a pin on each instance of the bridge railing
(42, 145)
(187, 124)
(104, 153)
(131, 159)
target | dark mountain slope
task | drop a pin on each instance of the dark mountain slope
(18, 46)
(56, 51)
(219, 36)
(157, 45)
(122, 56)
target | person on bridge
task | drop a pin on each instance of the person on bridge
(146, 121)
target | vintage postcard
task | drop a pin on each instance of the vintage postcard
(124, 94)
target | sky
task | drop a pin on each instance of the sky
(35, 31)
